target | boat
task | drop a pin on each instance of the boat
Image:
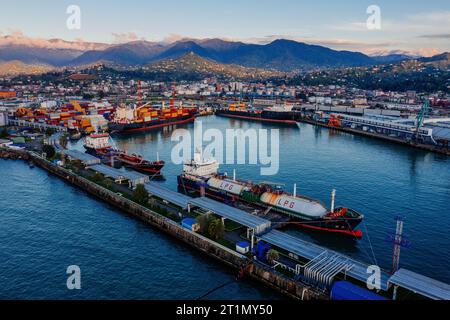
(132, 120)
(281, 114)
(200, 178)
(139, 164)
(98, 144)
(101, 146)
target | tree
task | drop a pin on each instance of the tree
(98, 177)
(49, 131)
(63, 141)
(272, 255)
(49, 151)
(140, 194)
(204, 221)
(216, 229)
(4, 133)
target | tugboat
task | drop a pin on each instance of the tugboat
(101, 145)
(201, 178)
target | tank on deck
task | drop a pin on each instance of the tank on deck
(302, 206)
(226, 185)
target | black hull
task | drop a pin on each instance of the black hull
(152, 169)
(289, 117)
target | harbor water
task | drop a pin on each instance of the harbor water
(48, 225)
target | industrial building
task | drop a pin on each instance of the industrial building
(85, 158)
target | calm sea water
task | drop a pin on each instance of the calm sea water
(48, 225)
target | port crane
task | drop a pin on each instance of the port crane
(421, 117)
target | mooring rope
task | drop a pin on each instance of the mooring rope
(215, 289)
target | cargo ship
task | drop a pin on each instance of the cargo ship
(201, 178)
(100, 145)
(127, 120)
(282, 114)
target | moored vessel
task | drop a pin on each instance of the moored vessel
(282, 114)
(201, 178)
(146, 117)
(101, 145)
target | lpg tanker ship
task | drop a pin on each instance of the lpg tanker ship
(201, 178)
(282, 114)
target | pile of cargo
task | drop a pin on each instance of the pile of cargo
(78, 116)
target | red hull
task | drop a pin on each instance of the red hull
(143, 129)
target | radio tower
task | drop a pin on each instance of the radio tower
(399, 241)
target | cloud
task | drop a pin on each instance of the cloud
(420, 52)
(173, 37)
(17, 37)
(125, 37)
(436, 36)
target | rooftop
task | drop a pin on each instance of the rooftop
(237, 215)
(420, 284)
(176, 198)
(83, 157)
(116, 174)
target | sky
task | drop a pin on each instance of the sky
(416, 26)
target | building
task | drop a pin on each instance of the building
(3, 119)
(7, 94)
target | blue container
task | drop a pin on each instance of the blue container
(260, 251)
(343, 290)
(188, 223)
(243, 247)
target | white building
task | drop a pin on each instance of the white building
(3, 118)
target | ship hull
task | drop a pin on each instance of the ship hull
(288, 118)
(341, 225)
(129, 128)
(153, 169)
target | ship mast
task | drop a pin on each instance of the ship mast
(172, 99)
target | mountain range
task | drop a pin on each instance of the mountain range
(282, 55)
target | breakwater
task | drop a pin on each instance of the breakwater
(225, 255)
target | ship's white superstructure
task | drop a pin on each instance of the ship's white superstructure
(201, 167)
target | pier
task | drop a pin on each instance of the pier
(315, 267)
(35, 125)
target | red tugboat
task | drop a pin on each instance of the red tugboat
(101, 145)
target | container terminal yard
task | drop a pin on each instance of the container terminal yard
(300, 269)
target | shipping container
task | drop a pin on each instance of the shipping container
(343, 290)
